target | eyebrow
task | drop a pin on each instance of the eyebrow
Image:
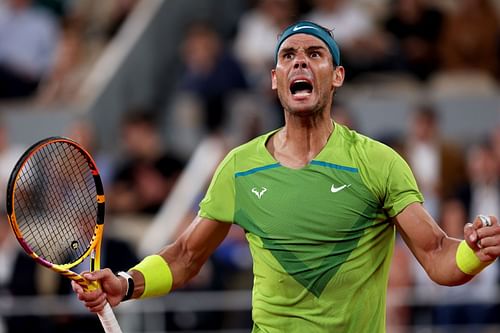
(308, 49)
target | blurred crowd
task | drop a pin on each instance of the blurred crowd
(458, 183)
(48, 46)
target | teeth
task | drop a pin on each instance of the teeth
(301, 87)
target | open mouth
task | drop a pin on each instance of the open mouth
(301, 88)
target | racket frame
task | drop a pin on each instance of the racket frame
(106, 316)
(94, 249)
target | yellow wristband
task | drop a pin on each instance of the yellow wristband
(157, 276)
(467, 261)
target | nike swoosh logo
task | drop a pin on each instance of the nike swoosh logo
(338, 189)
(297, 28)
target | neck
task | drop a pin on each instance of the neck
(301, 140)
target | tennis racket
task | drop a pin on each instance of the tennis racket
(55, 206)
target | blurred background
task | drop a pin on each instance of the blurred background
(160, 90)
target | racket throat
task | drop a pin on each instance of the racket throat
(92, 261)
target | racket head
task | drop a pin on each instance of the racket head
(55, 204)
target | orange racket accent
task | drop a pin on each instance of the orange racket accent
(55, 206)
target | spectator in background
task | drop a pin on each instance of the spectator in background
(415, 27)
(437, 164)
(470, 38)
(399, 291)
(87, 27)
(99, 21)
(84, 132)
(344, 116)
(255, 41)
(473, 303)
(28, 41)
(147, 171)
(495, 143)
(348, 21)
(211, 72)
(254, 46)
(9, 155)
(481, 191)
(8, 252)
(363, 45)
(71, 65)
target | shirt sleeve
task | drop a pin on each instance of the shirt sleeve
(401, 187)
(389, 177)
(218, 203)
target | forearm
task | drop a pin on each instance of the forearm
(436, 252)
(181, 267)
(184, 263)
(441, 265)
(180, 261)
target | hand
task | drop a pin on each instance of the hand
(111, 290)
(483, 239)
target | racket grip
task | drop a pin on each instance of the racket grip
(108, 320)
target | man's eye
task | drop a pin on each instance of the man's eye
(288, 56)
(315, 54)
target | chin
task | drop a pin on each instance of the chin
(304, 111)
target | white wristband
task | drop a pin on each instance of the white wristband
(130, 285)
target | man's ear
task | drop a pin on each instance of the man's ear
(274, 85)
(338, 76)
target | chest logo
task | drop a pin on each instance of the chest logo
(258, 193)
(340, 188)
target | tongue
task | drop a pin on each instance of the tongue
(304, 92)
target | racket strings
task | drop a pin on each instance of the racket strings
(55, 201)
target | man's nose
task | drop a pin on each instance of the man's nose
(300, 61)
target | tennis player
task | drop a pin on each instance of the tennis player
(320, 205)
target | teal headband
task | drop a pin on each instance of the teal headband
(313, 29)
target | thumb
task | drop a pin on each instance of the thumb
(470, 236)
(94, 276)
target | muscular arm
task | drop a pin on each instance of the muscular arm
(185, 258)
(434, 250)
(189, 252)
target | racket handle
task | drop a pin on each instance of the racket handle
(108, 320)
